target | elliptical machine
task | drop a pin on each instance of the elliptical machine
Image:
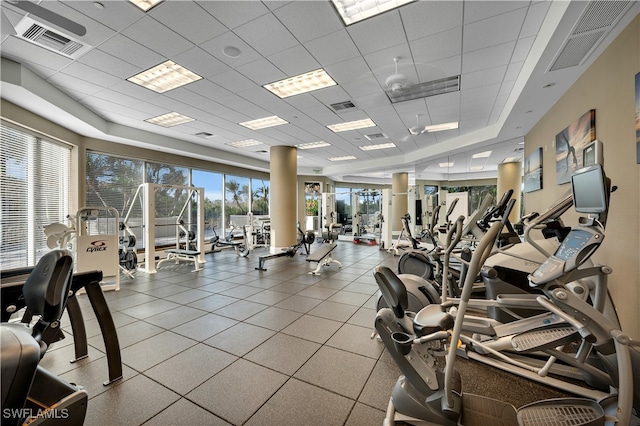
(429, 394)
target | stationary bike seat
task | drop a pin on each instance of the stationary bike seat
(431, 319)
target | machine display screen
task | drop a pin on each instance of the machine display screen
(590, 192)
(572, 244)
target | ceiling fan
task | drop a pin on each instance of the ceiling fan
(417, 129)
(396, 81)
(44, 14)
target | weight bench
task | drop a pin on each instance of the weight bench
(323, 257)
(179, 255)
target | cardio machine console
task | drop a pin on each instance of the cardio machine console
(576, 248)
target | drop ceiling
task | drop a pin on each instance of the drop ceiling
(502, 51)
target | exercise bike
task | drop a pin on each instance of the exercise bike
(429, 394)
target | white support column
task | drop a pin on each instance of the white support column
(149, 220)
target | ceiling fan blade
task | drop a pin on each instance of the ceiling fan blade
(7, 28)
(51, 17)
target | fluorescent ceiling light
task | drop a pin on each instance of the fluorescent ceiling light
(346, 157)
(443, 165)
(311, 145)
(476, 168)
(485, 154)
(303, 83)
(441, 127)
(166, 76)
(352, 125)
(145, 4)
(512, 160)
(378, 146)
(352, 11)
(170, 119)
(263, 123)
(244, 143)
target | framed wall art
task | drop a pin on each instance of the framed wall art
(570, 143)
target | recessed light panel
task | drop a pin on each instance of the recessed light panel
(244, 143)
(345, 158)
(443, 165)
(170, 119)
(440, 127)
(263, 123)
(353, 11)
(303, 83)
(378, 146)
(352, 125)
(512, 160)
(476, 168)
(164, 77)
(312, 145)
(484, 154)
(145, 5)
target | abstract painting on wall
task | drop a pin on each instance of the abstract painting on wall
(570, 143)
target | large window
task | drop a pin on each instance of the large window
(34, 192)
(236, 199)
(260, 197)
(212, 184)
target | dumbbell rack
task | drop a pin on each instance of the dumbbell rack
(96, 247)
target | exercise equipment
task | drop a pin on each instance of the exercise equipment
(146, 194)
(305, 239)
(426, 393)
(93, 238)
(324, 257)
(30, 394)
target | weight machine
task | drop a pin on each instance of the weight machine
(147, 193)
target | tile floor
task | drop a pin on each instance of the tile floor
(232, 345)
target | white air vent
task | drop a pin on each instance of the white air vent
(342, 106)
(423, 90)
(594, 23)
(50, 39)
(376, 136)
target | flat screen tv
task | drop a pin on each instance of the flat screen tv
(590, 190)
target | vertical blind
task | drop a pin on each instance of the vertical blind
(35, 176)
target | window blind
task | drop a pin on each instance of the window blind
(35, 176)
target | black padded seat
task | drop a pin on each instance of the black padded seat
(432, 319)
(20, 354)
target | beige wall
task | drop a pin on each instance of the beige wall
(608, 87)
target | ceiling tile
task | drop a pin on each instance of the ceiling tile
(157, 37)
(487, 58)
(117, 15)
(535, 16)
(424, 18)
(189, 20)
(513, 70)
(208, 88)
(261, 72)
(481, 34)
(523, 47)
(132, 52)
(438, 46)
(482, 78)
(90, 74)
(66, 81)
(266, 35)
(133, 90)
(377, 33)
(200, 62)
(479, 10)
(116, 97)
(309, 20)
(333, 48)
(234, 13)
(294, 61)
(439, 69)
(96, 58)
(348, 71)
(233, 79)
(187, 96)
(216, 45)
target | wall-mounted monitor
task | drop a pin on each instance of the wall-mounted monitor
(592, 153)
(590, 190)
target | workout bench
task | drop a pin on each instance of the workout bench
(179, 255)
(323, 257)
